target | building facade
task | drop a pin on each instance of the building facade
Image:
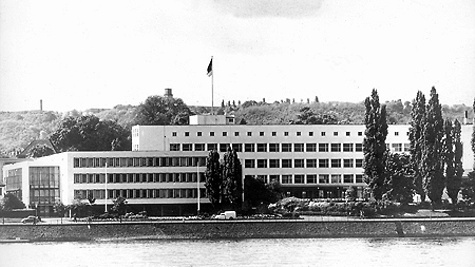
(164, 172)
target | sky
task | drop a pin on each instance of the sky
(98, 54)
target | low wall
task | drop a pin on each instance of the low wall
(235, 229)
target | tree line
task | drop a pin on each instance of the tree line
(434, 163)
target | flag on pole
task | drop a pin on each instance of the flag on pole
(210, 67)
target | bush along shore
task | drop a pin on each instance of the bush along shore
(236, 230)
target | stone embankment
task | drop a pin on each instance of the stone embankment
(236, 229)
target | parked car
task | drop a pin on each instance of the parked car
(227, 215)
(32, 219)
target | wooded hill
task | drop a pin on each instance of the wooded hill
(18, 129)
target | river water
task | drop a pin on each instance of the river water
(399, 252)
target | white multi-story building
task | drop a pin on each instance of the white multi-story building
(160, 173)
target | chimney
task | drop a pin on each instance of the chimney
(168, 92)
(465, 117)
(41, 104)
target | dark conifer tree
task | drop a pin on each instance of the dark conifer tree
(448, 157)
(213, 179)
(432, 172)
(374, 144)
(416, 140)
(232, 176)
(454, 186)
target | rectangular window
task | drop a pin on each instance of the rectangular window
(348, 163)
(336, 179)
(174, 147)
(211, 133)
(286, 147)
(274, 177)
(262, 163)
(199, 134)
(347, 133)
(187, 147)
(236, 133)
(322, 147)
(286, 133)
(249, 147)
(397, 147)
(311, 147)
(358, 147)
(223, 147)
(336, 163)
(212, 147)
(299, 178)
(323, 163)
(262, 147)
(396, 133)
(274, 147)
(225, 133)
(348, 147)
(274, 163)
(359, 178)
(360, 133)
(237, 147)
(323, 133)
(359, 163)
(173, 133)
(310, 133)
(249, 133)
(286, 163)
(249, 164)
(286, 179)
(298, 148)
(311, 178)
(323, 179)
(298, 133)
(407, 147)
(199, 147)
(299, 163)
(311, 163)
(335, 133)
(187, 133)
(274, 133)
(348, 178)
(261, 133)
(335, 147)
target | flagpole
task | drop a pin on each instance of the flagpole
(212, 87)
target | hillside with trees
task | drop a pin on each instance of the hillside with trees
(18, 129)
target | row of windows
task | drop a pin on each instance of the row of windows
(303, 163)
(314, 178)
(139, 193)
(99, 178)
(139, 162)
(270, 147)
(285, 133)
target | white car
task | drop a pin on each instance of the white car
(31, 218)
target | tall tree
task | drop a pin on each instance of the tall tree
(448, 157)
(432, 173)
(454, 185)
(416, 140)
(374, 144)
(232, 175)
(213, 179)
(88, 133)
(158, 110)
